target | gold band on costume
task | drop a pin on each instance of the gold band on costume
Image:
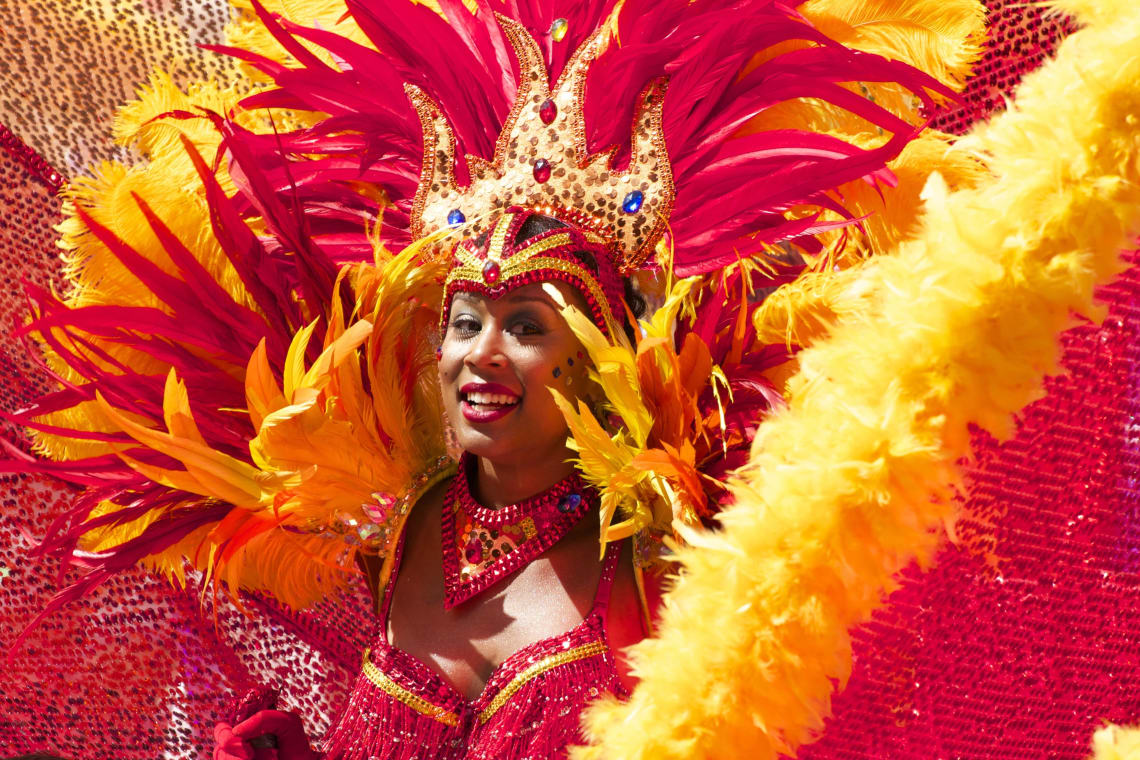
(381, 680)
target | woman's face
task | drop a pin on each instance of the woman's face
(498, 360)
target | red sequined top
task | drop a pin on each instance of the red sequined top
(530, 708)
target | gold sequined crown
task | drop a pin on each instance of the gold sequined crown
(542, 162)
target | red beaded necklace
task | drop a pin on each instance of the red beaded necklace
(482, 546)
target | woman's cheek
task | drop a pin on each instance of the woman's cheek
(569, 376)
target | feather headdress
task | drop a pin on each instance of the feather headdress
(242, 362)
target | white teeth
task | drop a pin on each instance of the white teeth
(496, 399)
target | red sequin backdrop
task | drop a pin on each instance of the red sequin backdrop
(1019, 644)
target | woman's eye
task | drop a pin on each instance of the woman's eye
(526, 327)
(465, 325)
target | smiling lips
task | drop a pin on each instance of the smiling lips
(486, 402)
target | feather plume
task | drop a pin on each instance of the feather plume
(737, 180)
(856, 478)
(1116, 743)
(941, 37)
(677, 403)
(206, 422)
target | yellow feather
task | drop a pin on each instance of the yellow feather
(208, 472)
(857, 477)
(176, 411)
(262, 394)
(944, 38)
(294, 372)
(342, 348)
(1116, 743)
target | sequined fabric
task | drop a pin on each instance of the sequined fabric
(68, 64)
(529, 710)
(1019, 644)
(627, 207)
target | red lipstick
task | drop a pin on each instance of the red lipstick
(486, 402)
(488, 388)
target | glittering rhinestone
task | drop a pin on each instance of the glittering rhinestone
(632, 202)
(455, 218)
(569, 502)
(547, 111)
(558, 29)
(474, 552)
(491, 272)
(541, 170)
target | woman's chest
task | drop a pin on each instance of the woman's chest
(465, 644)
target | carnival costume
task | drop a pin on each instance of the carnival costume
(248, 383)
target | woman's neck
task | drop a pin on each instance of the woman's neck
(498, 484)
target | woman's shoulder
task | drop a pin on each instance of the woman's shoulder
(423, 510)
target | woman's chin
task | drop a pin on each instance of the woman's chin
(490, 441)
(509, 442)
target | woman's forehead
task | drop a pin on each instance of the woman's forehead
(531, 293)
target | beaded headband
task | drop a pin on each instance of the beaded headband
(542, 162)
(496, 262)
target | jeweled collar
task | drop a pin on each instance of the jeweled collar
(482, 546)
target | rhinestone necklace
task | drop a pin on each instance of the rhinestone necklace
(482, 546)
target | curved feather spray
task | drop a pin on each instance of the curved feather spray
(856, 477)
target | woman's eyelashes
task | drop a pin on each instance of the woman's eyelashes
(526, 326)
(520, 326)
(465, 325)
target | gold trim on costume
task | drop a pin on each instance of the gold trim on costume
(397, 692)
(537, 669)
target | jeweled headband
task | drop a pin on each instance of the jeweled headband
(498, 261)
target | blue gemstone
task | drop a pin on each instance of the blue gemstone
(456, 217)
(632, 202)
(557, 371)
(569, 502)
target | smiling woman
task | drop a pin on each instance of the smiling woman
(497, 360)
(524, 618)
(254, 390)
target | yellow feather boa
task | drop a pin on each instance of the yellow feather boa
(854, 480)
(1116, 743)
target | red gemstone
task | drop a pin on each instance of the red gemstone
(541, 170)
(474, 551)
(547, 111)
(491, 272)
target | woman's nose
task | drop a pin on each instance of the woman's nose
(487, 349)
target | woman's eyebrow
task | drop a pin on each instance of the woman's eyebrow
(523, 297)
